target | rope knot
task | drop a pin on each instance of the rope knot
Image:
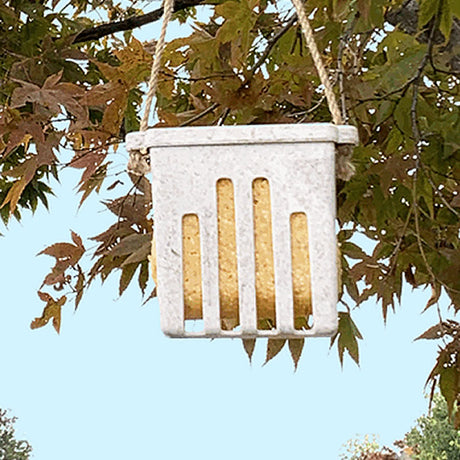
(138, 163)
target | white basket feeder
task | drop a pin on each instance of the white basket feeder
(298, 161)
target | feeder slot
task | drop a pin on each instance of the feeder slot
(263, 245)
(191, 267)
(300, 260)
(228, 266)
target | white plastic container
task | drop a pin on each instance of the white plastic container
(298, 160)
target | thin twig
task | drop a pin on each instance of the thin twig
(271, 43)
(340, 70)
(306, 112)
(437, 191)
(396, 249)
(312, 109)
(223, 117)
(202, 114)
(402, 89)
(194, 79)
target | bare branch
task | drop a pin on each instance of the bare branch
(202, 114)
(95, 33)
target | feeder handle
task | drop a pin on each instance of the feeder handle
(168, 9)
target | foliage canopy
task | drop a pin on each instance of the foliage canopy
(10, 447)
(434, 437)
(71, 83)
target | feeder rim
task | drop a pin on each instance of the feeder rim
(242, 134)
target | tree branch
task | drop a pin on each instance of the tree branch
(95, 33)
(271, 43)
(406, 18)
(210, 109)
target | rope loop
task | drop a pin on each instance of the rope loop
(137, 163)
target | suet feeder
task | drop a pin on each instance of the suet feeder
(245, 228)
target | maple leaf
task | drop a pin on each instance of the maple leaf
(112, 97)
(347, 335)
(439, 330)
(66, 255)
(92, 149)
(20, 130)
(94, 183)
(89, 160)
(51, 97)
(447, 372)
(274, 346)
(449, 382)
(127, 274)
(52, 311)
(136, 62)
(25, 172)
(111, 236)
(435, 294)
(136, 246)
(295, 348)
(79, 285)
(132, 208)
(144, 275)
(249, 346)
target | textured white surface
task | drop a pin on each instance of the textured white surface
(298, 161)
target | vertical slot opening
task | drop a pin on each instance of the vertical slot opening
(191, 271)
(301, 278)
(228, 265)
(264, 262)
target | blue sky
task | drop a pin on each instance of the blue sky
(111, 386)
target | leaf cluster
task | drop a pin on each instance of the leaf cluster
(434, 436)
(10, 447)
(367, 448)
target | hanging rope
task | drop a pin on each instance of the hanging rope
(316, 56)
(344, 167)
(137, 163)
(168, 9)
